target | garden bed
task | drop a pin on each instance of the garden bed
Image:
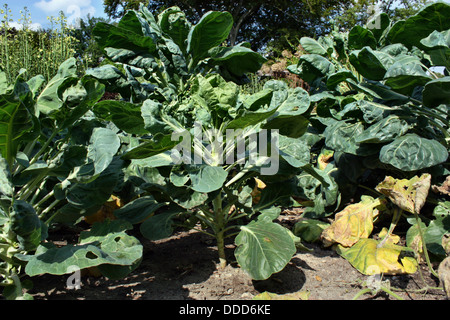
(185, 267)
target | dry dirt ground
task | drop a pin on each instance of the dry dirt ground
(184, 267)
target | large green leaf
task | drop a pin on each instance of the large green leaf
(158, 226)
(237, 60)
(440, 226)
(317, 190)
(186, 198)
(15, 122)
(437, 45)
(342, 135)
(139, 209)
(336, 78)
(313, 66)
(212, 29)
(293, 126)
(437, 92)
(126, 116)
(128, 34)
(411, 31)
(150, 147)
(73, 156)
(131, 22)
(205, 178)
(274, 193)
(310, 230)
(370, 63)
(49, 101)
(385, 130)
(379, 24)
(173, 22)
(313, 46)
(162, 159)
(294, 151)
(360, 37)
(280, 92)
(257, 100)
(102, 148)
(412, 152)
(36, 83)
(296, 103)
(264, 248)
(249, 119)
(103, 244)
(405, 74)
(86, 198)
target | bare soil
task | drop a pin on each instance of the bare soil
(185, 267)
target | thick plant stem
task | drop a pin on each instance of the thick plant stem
(220, 230)
(221, 249)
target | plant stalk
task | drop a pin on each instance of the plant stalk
(220, 230)
(424, 246)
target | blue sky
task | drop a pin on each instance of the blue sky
(41, 9)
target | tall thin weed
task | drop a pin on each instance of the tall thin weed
(37, 51)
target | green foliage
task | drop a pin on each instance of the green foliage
(187, 147)
(57, 164)
(209, 192)
(381, 108)
(161, 55)
(262, 23)
(371, 98)
(189, 93)
(86, 48)
(106, 245)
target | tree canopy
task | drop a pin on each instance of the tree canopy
(276, 23)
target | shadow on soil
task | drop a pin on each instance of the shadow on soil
(184, 267)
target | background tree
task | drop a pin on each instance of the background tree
(258, 21)
(88, 51)
(357, 12)
(278, 24)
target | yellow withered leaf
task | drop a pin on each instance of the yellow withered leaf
(444, 275)
(300, 295)
(256, 193)
(392, 238)
(324, 158)
(260, 184)
(369, 259)
(446, 243)
(106, 211)
(409, 195)
(444, 188)
(352, 223)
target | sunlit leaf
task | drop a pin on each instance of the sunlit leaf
(300, 295)
(353, 223)
(369, 259)
(409, 195)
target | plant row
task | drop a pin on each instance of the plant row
(376, 117)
